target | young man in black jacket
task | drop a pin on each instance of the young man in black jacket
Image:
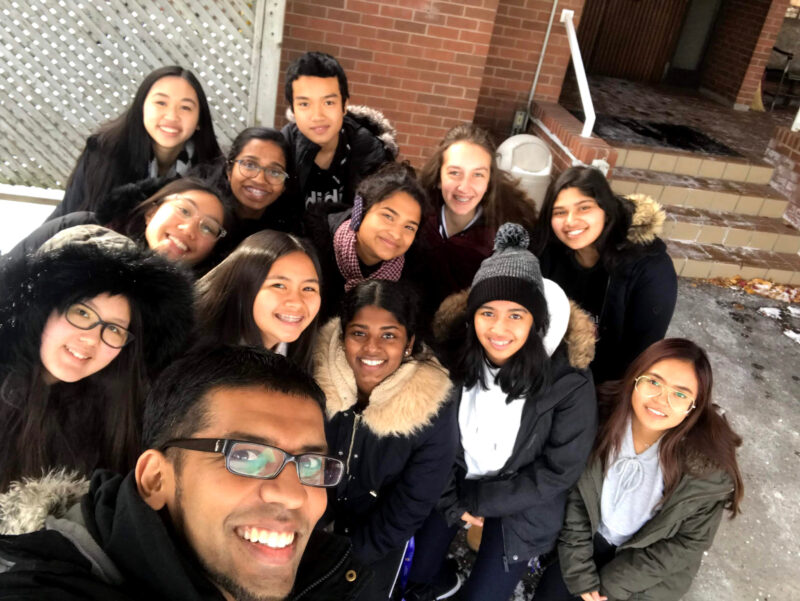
(213, 509)
(333, 145)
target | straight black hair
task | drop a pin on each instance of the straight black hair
(119, 152)
(315, 64)
(524, 375)
(612, 242)
(176, 407)
(226, 294)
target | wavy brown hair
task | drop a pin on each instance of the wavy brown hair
(504, 200)
(704, 431)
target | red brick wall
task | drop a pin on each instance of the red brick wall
(758, 60)
(516, 43)
(562, 124)
(739, 47)
(784, 153)
(418, 61)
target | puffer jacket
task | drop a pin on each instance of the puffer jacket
(555, 437)
(68, 538)
(659, 562)
(640, 293)
(398, 451)
(367, 141)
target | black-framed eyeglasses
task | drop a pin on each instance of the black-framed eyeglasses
(86, 318)
(256, 460)
(650, 387)
(250, 169)
(186, 209)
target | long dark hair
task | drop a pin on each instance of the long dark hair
(524, 375)
(612, 243)
(226, 294)
(504, 201)
(95, 422)
(120, 150)
(704, 431)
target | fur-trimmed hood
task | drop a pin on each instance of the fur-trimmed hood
(24, 507)
(371, 119)
(401, 405)
(31, 288)
(579, 333)
(647, 219)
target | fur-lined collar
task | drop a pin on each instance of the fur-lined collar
(647, 220)
(401, 405)
(580, 335)
(373, 120)
(26, 505)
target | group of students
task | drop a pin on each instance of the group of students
(458, 338)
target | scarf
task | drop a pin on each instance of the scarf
(181, 165)
(344, 248)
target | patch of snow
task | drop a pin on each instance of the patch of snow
(793, 335)
(772, 312)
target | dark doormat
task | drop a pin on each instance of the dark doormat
(664, 135)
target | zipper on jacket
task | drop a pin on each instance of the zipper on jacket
(323, 578)
(356, 420)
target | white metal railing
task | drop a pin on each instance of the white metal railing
(580, 73)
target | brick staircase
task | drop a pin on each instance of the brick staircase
(723, 218)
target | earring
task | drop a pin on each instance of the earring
(407, 352)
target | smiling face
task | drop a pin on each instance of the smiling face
(255, 194)
(171, 112)
(374, 345)
(464, 178)
(502, 328)
(220, 513)
(577, 219)
(69, 354)
(318, 109)
(173, 232)
(289, 299)
(654, 415)
(388, 228)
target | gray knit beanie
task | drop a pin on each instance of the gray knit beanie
(512, 273)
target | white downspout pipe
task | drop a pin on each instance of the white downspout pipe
(528, 115)
(580, 73)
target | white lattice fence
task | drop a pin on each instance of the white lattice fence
(66, 66)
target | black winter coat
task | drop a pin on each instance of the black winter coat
(555, 437)
(398, 451)
(115, 547)
(366, 141)
(640, 293)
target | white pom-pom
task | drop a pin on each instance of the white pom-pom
(511, 235)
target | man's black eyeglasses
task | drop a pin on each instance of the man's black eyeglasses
(256, 460)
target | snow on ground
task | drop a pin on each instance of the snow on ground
(19, 216)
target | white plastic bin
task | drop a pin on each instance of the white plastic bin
(527, 158)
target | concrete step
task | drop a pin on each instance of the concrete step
(682, 162)
(700, 192)
(697, 260)
(730, 229)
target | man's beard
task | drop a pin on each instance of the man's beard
(223, 582)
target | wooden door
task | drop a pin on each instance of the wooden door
(630, 39)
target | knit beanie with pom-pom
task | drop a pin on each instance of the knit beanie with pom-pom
(512, 273)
